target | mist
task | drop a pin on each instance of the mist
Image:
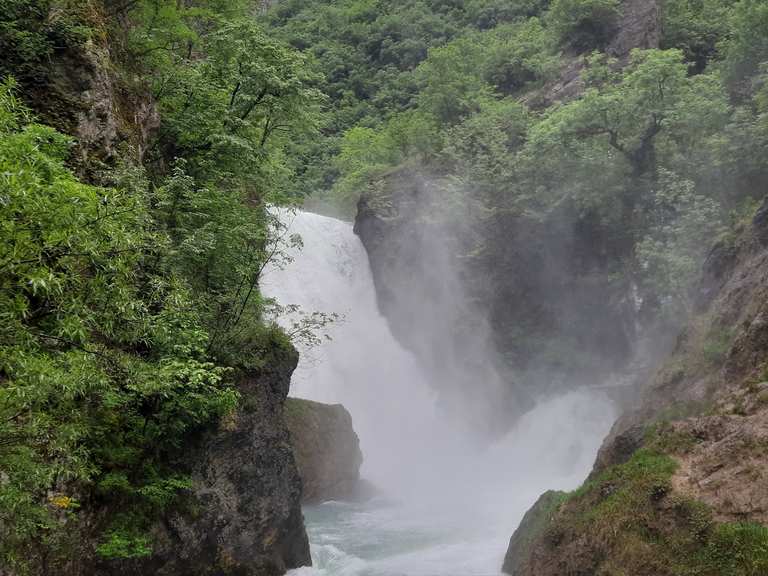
(458, 491)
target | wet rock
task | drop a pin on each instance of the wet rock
(326, 449)
(621, 449)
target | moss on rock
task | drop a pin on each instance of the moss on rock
(629, 520)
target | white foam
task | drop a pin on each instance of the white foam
(458, 502)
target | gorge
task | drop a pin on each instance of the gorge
(383, 287)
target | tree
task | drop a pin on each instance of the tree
(225, 110)
(630, 115)
(746, 47)
(451, 80)
(103, 369)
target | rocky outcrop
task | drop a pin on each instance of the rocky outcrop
(497, 282)
(639, 26)
(83, 90)
(418, 237)
(679, 485)
(242, 515)
(531, 527)
(326, 449)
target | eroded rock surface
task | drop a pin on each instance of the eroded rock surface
(326, 448)
(534, 522)
(243, 515)
(248, 491)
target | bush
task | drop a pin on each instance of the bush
(31, 31)
(747, 47)
(695, 27)
(518, 55)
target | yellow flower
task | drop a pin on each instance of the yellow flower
(61, 501)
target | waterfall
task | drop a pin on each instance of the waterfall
(455, 502)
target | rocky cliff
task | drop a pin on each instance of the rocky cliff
(515, 292)
(326, 449)
(75, 80)
(242, 514)
(414, 229)
(639, 26)
(679, 486)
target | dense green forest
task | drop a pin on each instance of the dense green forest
(665, 149)
(129, 294)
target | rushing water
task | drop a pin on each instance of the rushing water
(448, 503)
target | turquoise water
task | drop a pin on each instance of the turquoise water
(380, 539)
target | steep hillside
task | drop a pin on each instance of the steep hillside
(142, 375)
(570, 170)
(679, 487)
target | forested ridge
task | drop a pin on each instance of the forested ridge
(629, 135)
(131, 253)
(663, 147)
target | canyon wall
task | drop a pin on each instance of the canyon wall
(679, 482)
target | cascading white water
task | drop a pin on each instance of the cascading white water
(455, 503)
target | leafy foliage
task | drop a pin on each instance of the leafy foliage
(696, 27)
(683, 226)
(130, 308)
(746, 46)
(32, 31)
(102, 356)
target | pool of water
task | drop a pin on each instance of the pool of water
(384, 539)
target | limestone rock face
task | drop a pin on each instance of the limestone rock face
(248, 489)
(639, 27)
(109, 113)
(326, 448)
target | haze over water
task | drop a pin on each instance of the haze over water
(449, 502)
